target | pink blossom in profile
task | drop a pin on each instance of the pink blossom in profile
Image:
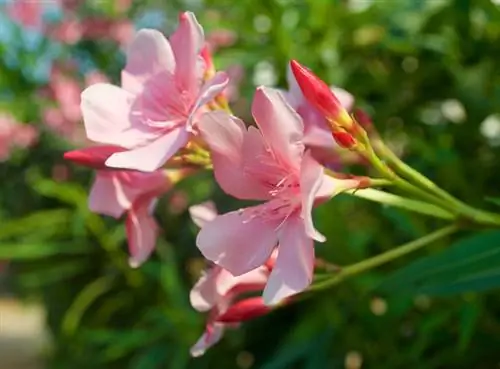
(270, 163)
(118, 192)
(217, 292)
(163, 93)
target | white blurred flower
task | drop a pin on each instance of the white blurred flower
(453, 110)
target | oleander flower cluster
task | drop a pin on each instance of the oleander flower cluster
(170, 118)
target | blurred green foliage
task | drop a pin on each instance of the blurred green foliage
(404, 61)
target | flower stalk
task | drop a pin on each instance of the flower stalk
(384, 258)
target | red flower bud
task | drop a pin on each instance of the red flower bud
(247, 309)
(344, 139)
(315, 90)
(92, 157)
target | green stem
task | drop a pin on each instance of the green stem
(384, 258)
(426, 184)
(401, 202)
(403, 184)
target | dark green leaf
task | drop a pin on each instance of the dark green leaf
(471, 264)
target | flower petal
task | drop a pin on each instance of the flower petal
(346, 98)
(225, 135)
(203, 296)
(294, 266)
(281, 126)
(148, 54)
(203, 213)
(208, 339)
(142, 231)
(153, 155)
(311, 179)
(108, 196)
(237, 243)
(294, 95)
(187, 42)
(210, 90)
(106, 115)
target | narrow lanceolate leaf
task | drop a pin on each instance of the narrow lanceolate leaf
(470, 265)
(31, 251)
(493, 200)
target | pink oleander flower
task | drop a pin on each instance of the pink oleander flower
(163, 93)
(14, 135)
(116, 192)
(65, 117)
(68, 31)
(271, 164)
(28, 13)
(218, 292)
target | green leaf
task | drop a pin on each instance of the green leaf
(29, 251)
(62, 271)
(41, 220)
(471, 264)
(493, 200)
(469, 316)
(82, 302)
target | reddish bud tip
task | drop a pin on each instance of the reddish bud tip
(316, 91)
(182, 16)
(247, 309)
(344, 139)
(92, 157)
(363, 118)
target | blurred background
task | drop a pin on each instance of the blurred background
(426, 71)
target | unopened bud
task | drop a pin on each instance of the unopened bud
(344, 139)
(247, 309)
(318, 94)
(92, 157)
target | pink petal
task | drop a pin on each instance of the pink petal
(148, 54)
(142, 231)
(237, 243)
(225, 135)
(346, 99)
(204, 294)
(187, 42)
(210, 90)
(153, 155)
(294, 266)
(318, 135)
(108, 196)
(294, 95)
(281, 126)
(203, 213)
(106, 114)
(228, 284)
(208, 339)
(311, 179)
